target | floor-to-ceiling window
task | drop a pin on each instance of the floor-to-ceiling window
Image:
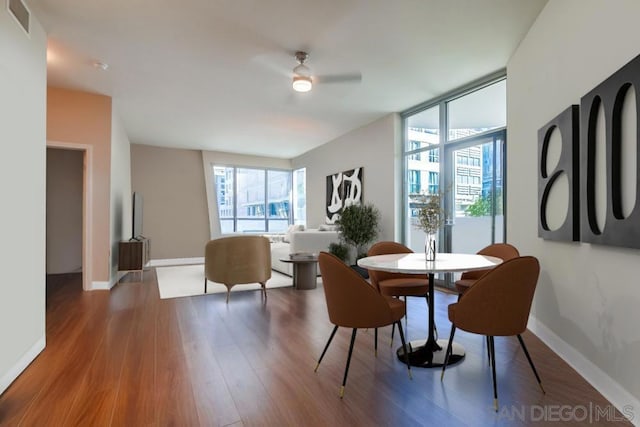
(422, 164)
(454, 146)
(252, 200)
(300, 196)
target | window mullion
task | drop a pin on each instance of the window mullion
(266, 201)
(235, 200)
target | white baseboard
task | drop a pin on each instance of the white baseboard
(103, 286)
(175, 261)
(120, 275)
(106, 286)
(22, 364)
(619, 397)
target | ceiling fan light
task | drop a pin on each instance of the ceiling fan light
(302, 83)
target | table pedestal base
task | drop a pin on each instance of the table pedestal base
(305, 275)
(422, 357)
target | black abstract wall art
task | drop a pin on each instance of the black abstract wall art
(343, 189)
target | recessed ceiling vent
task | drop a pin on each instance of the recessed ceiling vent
(19, 11)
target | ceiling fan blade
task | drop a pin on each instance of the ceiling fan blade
(339, 78)
(274, 63)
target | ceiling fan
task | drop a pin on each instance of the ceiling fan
(303, 80)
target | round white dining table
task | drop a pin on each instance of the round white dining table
(429, 353)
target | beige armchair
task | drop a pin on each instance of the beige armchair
(238, 260)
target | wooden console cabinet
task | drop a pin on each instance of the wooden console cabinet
(133, 254)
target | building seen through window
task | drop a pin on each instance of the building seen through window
(252, 200)
(454, 146)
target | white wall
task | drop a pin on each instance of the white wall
(64, 210)
(586, 304)
(82, 120)
(376, 147)
(120, 190)
(23, 81)
(174, 202)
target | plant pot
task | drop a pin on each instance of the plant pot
(361, 271)
(430, 247)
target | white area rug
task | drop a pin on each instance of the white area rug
(188, 280)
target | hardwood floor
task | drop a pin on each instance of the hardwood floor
(127, 358)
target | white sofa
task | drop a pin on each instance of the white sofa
(310, 240)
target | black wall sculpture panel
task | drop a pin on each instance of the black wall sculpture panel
(578, 161)
(617, 230)
(567, 124)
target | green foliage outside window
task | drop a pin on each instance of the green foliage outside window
(483, 206)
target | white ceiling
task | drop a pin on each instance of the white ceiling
(216, 74)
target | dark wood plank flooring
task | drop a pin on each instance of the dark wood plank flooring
(128, 358)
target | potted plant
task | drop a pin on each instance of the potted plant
(358, 226)
(340, 250)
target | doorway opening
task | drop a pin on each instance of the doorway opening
(68, 239)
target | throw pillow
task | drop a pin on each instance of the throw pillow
(327, 227)
(291, 229)
(275, 238)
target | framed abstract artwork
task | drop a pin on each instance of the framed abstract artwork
(343, 189)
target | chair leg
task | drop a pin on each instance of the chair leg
(449, 351)
(488, 351)
(524, 347)
(228, 294)
(375, 343)
(346, 369)
(493, 372)
(264, 289)
(205, 285)
(405, 349)
(325, 348)
(393, 330)
(406, 315)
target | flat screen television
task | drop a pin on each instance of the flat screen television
(136, 204)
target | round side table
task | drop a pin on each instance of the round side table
(305, 270)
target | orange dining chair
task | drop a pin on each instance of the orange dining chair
(504, 251)
(353, 303)
(397, 284)
(498, 304)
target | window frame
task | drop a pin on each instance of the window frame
(266, 218)
(445, 143)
